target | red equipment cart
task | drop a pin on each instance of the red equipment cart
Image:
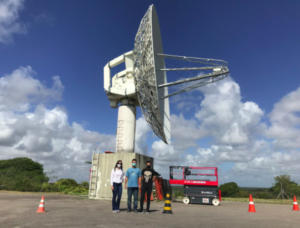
(200, 184)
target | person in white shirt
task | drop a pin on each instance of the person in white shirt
(116, 179)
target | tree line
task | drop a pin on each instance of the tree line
(283, 188)
(24, 174)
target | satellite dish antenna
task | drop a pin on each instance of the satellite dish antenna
(148, 76)
(144, 82)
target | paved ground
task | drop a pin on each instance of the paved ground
(19, 210)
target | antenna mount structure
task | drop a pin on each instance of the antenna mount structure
(144, 82)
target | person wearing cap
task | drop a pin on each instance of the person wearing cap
(116, 179)
(148, 176)
(133, 179)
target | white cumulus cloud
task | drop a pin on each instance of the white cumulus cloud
(9, 19)
(231, 133)
(20, 90)
(225, 116)
(142, 130)
(30, 129)
(285, 121)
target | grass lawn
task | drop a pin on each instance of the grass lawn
(271, 201)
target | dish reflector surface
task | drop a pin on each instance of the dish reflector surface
(148, 76)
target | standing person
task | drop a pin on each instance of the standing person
(133, 178)
(148, 175)
(116, 179)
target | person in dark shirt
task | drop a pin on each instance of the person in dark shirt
(148, 176)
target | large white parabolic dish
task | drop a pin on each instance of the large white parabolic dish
(148, 76)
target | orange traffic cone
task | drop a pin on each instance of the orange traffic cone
(41, 208)
(295, 204)
(251, 204)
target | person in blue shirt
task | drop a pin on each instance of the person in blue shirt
(132, 183)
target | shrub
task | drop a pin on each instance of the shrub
(242, 193)
(78, 190)
(177, 194)
(85, 184)
(263, 195)
(229, 189)
(65, 184)
(49, 187)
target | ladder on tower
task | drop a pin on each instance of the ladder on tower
(94, 176)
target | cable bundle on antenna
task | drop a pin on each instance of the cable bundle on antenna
(210, 70)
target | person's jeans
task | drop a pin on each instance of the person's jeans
(117, 194)
(132, 191)
(146, 189)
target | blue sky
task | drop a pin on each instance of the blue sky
(73, 40)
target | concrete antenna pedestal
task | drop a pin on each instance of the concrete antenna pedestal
(126, 127)
(121, 93)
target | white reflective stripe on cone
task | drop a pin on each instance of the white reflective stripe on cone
(295, 203)
(251, 202)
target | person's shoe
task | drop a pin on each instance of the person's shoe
(140, 210)
(128, 210)
(136, 211)
(114, 211)
(118, 211)
(147, 211)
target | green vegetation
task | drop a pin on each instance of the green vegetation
(67, 186)
(23, 174)
(262, 193)
(229, 189)
(284, 187)
(177, 192)
(258, 200)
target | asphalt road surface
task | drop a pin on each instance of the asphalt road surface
(19, 210)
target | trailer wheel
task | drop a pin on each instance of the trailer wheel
(186, 200)
(215, 202)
